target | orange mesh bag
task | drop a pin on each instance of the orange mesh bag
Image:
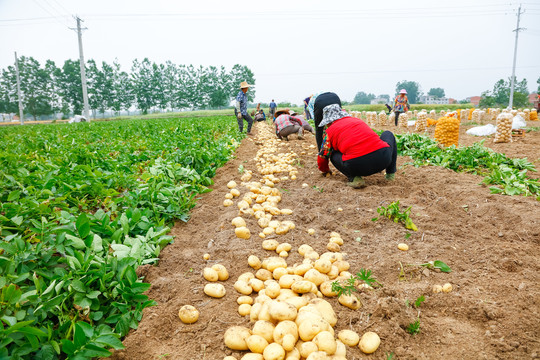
(447, 131)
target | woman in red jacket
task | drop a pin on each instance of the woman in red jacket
(355, 149)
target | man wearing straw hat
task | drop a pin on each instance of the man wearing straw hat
(240, 110)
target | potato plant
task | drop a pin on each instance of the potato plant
(81, 207)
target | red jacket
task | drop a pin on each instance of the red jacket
(353, 138)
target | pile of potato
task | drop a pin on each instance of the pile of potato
(504, 128)
(403, 120)
(371, 118)
(392, 119)
(533, 116)
(447, 131)
(421, 121)
(290, 319)
(433, 115)
(415, 113)
(527, 114)
(382, 119)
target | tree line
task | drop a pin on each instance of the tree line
(47, 89)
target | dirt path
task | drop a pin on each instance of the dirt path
(491, 242)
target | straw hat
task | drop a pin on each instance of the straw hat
(244, 84)
(403, 91)
(281, 112)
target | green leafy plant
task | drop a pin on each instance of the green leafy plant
(390, 356)
(394, 213)
(349, 285)
(508, 175)
(419, 301)
(81, 207)
(413, 328)
(435, 265)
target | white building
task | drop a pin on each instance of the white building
(427, 99)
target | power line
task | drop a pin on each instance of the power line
(48, 12)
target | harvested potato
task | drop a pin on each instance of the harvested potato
(244, 309)
(437, 289)
(302, 287)
(284, 328)
(326, 310)
(188, 314)
(275, 262)
(247, 276)
(333, 247)
(288, 343)
(256, 284)
(349, 337)
(238, 222)
(403, 247)
(283, 254)
(279, 272)
(447, 288)
(311, 326)
(215, 290)
(231, 184)
(235, 192)
(210, 274)
(350, 301)
(270, 244)
(235, 337)
(272, 289)
(326, 289)
(242, 232)
(311, 231)
(254, 262)
(315, 277)
(302, 269)
(369, 342)
(244, 300)
(281, 310)
(307, 348)
(227, 202)
(228, 196)
(283, 247)
(274, 351)
(263, 274)
(323, 265)
(304, 249)
(264, 329)
(206, 256)
(221, 271)
(325, 342)
(286, 211)
(256, 343)
(341, 351)
(336, 240)
(242, 287)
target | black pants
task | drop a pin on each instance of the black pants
(323, 100)
(397, 116)
(369, 164)
(246, 117)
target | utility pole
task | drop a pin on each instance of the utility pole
(517, 30)
(21, 111)
(83, 71)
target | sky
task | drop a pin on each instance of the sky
(296, 47)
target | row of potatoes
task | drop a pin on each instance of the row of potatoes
(291, 320)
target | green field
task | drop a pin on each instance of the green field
(81, 207)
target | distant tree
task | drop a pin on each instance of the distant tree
(385, 96)
(100, 86)
(413, 90)
(363, 98)
(8, 100)
(238, 74)
(436, 92)
(216, 83)
(68, 80)
(464, 101)
(500, 96)
(141, 76)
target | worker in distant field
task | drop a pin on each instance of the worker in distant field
(355, 149)
(401, 104)
(306, 104)
(272, 110)
(287, 125)
(240, 109)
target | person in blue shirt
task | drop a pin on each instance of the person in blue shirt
(272, 110)
(306, 104)
(240, 109)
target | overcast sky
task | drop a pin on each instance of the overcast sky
(294, 47)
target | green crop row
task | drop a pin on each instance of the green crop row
(81, 207)
(509, 176)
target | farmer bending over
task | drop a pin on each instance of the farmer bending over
(287, 125)
(353, 148)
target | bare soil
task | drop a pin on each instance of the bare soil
(491, 242)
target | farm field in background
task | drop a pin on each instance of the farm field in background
(86, 211)
(81, 207)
